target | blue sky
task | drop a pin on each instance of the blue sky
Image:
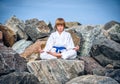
(83, 11)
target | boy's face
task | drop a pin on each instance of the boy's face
(60, 28)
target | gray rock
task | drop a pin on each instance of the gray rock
(32, 22)
(11, 61)
(114, 33)
(21, 45)
(92, 67)
(108, 25)
(90, 35)
(17, 26)
(71, 24)
(92, 79)
(36, 29)
(50, 26)
(107, 52)
(19, 78)
(113, 73)
(56, 71)
(42, 27)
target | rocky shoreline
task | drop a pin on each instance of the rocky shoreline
(98, 60)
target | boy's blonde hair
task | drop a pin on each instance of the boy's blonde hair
(59, 21)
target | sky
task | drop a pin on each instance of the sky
(82, 11)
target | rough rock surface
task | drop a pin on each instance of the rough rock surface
(113, 73)
(50, 26)
(91, 66)
(114, 33)
(89, 35)
(9, 37)
(10, 61)
(56, 71)
(17, 26)
(21, 45)
(36, 29)
(43, 27)
(108, 25)
(107, 52)
(71, 24)
(33, 49)
(92, 79)
(19, 78)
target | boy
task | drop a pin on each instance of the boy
(59, 44)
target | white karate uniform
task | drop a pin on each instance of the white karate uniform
(56, 39)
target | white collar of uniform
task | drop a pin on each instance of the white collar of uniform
(61, 33)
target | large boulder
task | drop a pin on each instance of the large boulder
(33, 51)
(9, 37)
(31, 22)
(19, 78)
(21, 45)
(71, 24)
(92, 79)
(43, 27)
(17, 26)
(56, 71)
(113, 73)
(11, 61)
(36, 29)
(114, 33)
(108, 25)
(107, 52)
(92, 67)
(89, 35)
(50, 26)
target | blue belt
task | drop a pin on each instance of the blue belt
(58, 49)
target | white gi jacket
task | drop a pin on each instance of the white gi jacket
(56, 39)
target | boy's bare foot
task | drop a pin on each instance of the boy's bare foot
(41, 51)
(76, 48)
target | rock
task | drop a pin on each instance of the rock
(92, 79)
(21, 45)
(109, 66)
(19, 78)
(36, 29)
(71, 24)
(42, 26)
(1, 37)
(114, 73)
(107, 52)
(33, 49)
(9, 36)
(56, 71)
(17, 26)
(32, 22)
(91, 66)
(50, 26)
(110, 24)
(114, 33)
(33, 57)
(10, 61)
(89, 35)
